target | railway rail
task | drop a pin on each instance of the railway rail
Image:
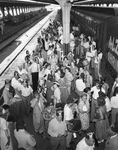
(8, 66)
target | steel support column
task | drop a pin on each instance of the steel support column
(66, 7)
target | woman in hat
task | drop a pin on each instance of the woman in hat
(112, 141)
(83, 107)
(102, 123)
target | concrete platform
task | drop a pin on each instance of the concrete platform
(24, 39)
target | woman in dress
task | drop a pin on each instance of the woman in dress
(38, 108)
(102, 124)
(68, 79)
(84, 108)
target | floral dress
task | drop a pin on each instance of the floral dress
(84, 116)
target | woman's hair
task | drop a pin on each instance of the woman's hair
(68, 69)
(91, 135)
(62, 74)
(50, 77)
(65, 58)
(5, 106)
(101, 101)
(82, 76)
(16, 73)
(83, 94)
(35, 94)
(87, 89)
(20, 124)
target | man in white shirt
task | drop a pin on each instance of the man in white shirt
(25, 140)
(57, 93)
(34, 69)
(57, 75)
(80, 85)
(57, 131)
(95, 90)
(114, 106)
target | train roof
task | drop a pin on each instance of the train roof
(112, 11)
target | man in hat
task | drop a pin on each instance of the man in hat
(112, 141)
(57, 131)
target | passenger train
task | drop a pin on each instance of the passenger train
(101, 23)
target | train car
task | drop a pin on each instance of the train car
(103, 25)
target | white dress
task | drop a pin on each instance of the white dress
(83, 146)
(3, 138)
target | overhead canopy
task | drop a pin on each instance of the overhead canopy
(47, 2)
(81, 2)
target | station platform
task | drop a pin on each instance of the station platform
(28, 41)
(9, 65)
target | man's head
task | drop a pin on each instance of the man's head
(59, 115)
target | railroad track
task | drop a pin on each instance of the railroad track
(5, 66)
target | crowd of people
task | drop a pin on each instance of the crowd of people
(65, 93)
